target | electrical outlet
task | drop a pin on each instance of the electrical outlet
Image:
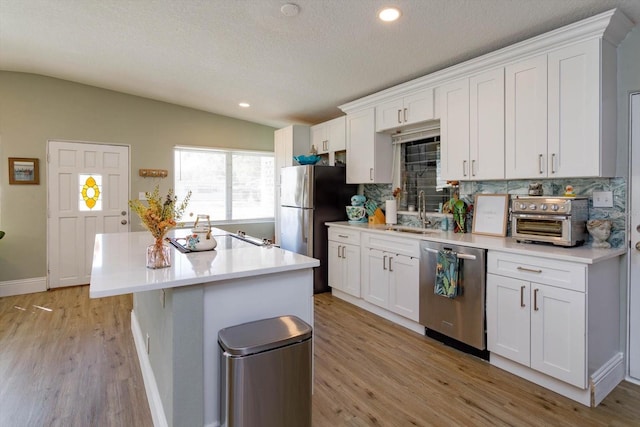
(602, 199)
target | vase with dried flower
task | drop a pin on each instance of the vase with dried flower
(159, 216)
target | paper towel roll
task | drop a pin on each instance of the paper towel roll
(391, 212)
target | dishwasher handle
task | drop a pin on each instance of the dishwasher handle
(459, 255)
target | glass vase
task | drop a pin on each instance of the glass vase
(158, 255)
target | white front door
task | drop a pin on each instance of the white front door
(634, 221)
(88, 193)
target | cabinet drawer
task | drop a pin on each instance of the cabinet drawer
(409, 247)
(562, 274)
(344, 236)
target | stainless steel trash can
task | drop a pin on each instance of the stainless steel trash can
(265, 373)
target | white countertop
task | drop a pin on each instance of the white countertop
(581, 254)
(119, 265)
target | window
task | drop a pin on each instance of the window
(420, 171)
(89, 196)
(226, 185)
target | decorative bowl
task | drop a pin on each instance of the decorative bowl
(307, 160)
(356, 213)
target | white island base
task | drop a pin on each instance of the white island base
(183, 354)
(178, 311)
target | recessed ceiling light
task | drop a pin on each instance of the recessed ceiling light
(244, 104)
(389, 14)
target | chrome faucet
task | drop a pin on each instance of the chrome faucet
(422, 209)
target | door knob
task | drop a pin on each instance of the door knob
(123, 222)
(638, 246)
(123, 213)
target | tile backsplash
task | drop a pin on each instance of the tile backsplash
(581, 186)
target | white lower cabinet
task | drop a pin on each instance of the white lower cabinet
(390, 278)
(390, 281)
(539, 326)
(344, 260)
(404, 286)
(344, 267)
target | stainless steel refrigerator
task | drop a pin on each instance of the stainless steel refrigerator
(310, 196)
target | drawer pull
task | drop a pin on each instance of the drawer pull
(535, 299)
(530, 270)
(344, 236)
(522, 296)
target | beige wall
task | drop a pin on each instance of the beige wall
(35, 109)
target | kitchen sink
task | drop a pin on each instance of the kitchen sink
(414, 230)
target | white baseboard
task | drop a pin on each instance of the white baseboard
(379, 311)
(632, 380)
(601, 383)
(605, 379)
(23, 286)
(150, 385)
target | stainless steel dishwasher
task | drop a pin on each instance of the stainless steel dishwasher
(462, 317)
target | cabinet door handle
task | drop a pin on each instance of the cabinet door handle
(325, 145)
(405, 114)
(399, 121)
(344, 254)
(370, 174)
(473, 167)
(553, 162)
(464, 168)
(384, 262)
(530, 270)
(339, 247)
(540, 167)
(522, 296)
(390, 258)
(535, 299)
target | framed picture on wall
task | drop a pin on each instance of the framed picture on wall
(23, 171)
(490, 214)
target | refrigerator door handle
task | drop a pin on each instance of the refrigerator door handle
(305, 183)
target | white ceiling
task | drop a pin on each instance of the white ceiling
(213, 54)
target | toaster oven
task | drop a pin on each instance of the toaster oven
(557, 220)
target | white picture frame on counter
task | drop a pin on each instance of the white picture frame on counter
(490, 214)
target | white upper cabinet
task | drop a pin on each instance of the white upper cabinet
(575, 138)
(330, 136)
(559, 113)
(472, 127)
(526, 118)
(408, 110)
(289, 142)
(369, 154)
(557, 117)
(454, 128)
(486, 125)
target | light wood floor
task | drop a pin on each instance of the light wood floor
(67, 360)
(76, 366)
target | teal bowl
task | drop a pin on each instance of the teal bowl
(307, 160)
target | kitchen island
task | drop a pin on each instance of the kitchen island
(178, 311)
